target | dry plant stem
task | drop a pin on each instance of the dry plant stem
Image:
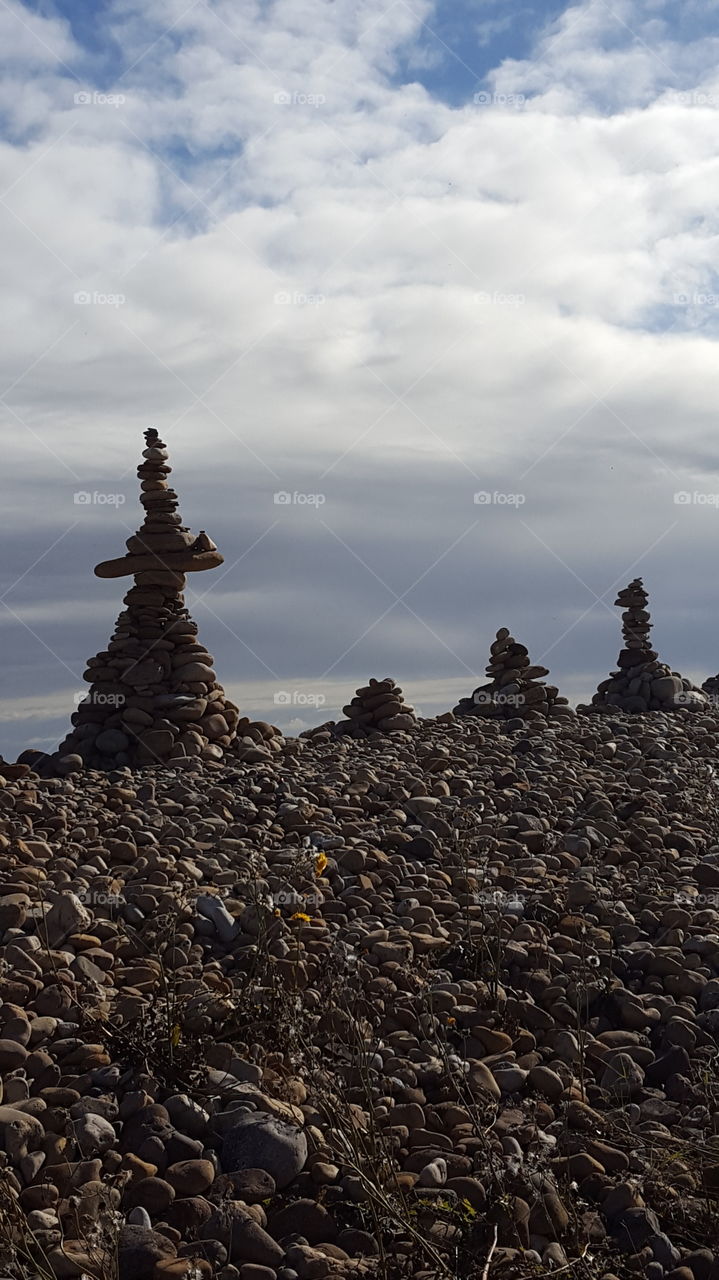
(568, 1265)
(379, 1195)
(359, 1154)
(490, 1255)
(29, 1248)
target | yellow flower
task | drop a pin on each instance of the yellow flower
(451, 1022)
(277, 912)
(468, 1208)
(300, 915)
(320, 863)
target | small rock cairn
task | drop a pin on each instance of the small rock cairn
(154, 696)
(515, 689)
(378, 707)
(642, 683)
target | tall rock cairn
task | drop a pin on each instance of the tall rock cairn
(642, 683)
(153, 695)
(515, 689)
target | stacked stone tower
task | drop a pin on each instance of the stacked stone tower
(377, 707)
(154, 696)
(515, 687)
(642, 683)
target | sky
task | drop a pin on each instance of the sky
(422, 297)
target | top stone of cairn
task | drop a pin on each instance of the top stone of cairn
(162, 544)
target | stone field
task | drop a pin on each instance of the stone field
(441, 1001)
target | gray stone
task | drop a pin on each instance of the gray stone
(260, 1141)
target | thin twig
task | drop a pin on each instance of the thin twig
(487, 1264)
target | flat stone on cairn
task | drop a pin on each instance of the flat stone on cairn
(378, 707)
(154, 696)
(515, 688)
(642, 683)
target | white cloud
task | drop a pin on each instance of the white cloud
(381, 213)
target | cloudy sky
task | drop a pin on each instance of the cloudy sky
(378, 259)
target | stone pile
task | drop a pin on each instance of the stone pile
(711, 688)
(378, 707)
(153, 694)
(515, 689)
(642, 683)
(240, 1006)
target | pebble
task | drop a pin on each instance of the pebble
(265, 1142)
(542, 1078)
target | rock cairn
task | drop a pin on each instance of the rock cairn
(711, 688)
(154, 695)
(642, 683)
(515, 688)
(378, 707)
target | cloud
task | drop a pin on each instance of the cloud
(358, 290)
